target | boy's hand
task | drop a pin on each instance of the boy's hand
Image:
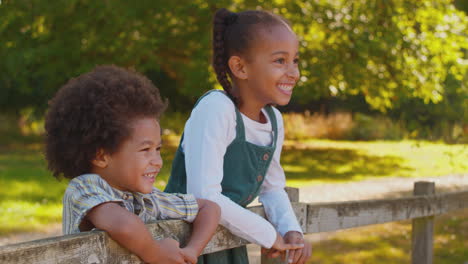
(280, 247)
(190, 255)
(170, 252)
(300, 255)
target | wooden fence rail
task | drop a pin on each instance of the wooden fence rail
(96, 247)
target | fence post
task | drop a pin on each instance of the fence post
(293, 194)
(422, 229)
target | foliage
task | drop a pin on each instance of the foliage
(386, 50)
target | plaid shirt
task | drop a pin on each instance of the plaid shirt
(89, 190)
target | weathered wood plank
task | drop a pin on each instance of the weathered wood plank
(97, 247)
(293, 194)
(326, 217)
(278, 260)
(422, 230)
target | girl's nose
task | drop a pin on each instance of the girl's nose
(294, 72)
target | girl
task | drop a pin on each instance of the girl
(230, 150)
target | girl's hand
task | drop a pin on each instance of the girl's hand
(190, 255)
(280, 247)
(300, 255)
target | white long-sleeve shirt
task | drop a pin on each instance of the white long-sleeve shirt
(208, 132)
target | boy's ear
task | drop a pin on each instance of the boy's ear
(237, 66)
(101, 160)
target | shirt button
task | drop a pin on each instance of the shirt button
(249, 198)
(259, 178)
(265, 156)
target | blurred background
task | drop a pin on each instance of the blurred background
(383, 96)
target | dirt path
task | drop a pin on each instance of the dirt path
(389, 187)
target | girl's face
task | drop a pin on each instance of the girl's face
(137, 162)
(272, 66)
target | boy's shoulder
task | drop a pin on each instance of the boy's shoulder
(88, 179)
(87, 183)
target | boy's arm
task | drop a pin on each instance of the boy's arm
(130, 232)
(204, 227)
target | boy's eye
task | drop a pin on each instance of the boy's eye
(145, 149)
(296, 61)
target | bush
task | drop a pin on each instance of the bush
(306, 125)
(373, 128)
(341, 125)
(173, 123)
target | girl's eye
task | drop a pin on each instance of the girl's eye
(280, 60)
(158, 148)
(145, 149)
(296, 61)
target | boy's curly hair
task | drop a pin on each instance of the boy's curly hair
(94, 111)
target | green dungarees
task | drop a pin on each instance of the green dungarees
(245, 167)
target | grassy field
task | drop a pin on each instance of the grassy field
(325, 161)
(391, 243)
(30, 198)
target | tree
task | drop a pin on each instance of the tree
(390, 51)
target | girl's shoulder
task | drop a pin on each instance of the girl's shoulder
(216, 97)
(216, 102)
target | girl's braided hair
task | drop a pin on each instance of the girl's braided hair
(233, 34)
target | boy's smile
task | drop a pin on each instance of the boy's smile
(137, 162)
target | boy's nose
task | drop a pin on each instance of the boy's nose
(156, 160)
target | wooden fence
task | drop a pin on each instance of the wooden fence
(96, 247)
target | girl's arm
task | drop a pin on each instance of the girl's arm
(130, 232)
(204, 227)
(209, 131)
(278, 207)
(272, 194)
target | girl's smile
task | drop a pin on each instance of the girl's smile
(270, 70)
(286, 87)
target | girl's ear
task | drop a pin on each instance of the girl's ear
(101, 160)
(237, 66)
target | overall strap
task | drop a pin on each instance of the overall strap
(274, 123)
(240, 131)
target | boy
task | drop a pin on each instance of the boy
(102, 132)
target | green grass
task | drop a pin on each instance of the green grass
(30, 198)
(391, 243)
(324, 161)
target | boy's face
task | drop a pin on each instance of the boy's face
(137, 162)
